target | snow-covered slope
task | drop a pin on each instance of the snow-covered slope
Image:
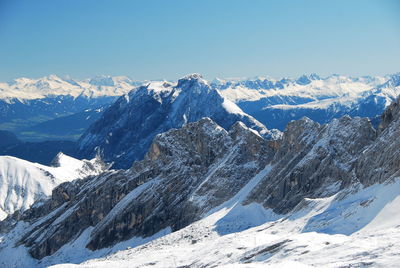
(22, 183)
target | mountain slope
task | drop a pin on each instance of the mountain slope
(345, 224)
(22, 183)
(167, 188)
(8, 139)
(125, 131)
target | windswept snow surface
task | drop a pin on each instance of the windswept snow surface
(22, 182)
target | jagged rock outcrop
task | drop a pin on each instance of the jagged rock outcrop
(390, 114)
(310, 158)
(381, 161)
(186, 172)
(125, 131)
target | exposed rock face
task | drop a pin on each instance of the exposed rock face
(244, 160)
(381, 161)
(390, 114)
(310, 158)
(186, 172)
(125, 131)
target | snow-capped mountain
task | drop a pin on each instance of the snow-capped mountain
(322, 195)
(52, 85)
(277, 102)
(125, 130)
(23, 183)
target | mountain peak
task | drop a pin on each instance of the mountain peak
(56, 162)
(307, 79)
(239, 129)
(189, 80)
(192, 76)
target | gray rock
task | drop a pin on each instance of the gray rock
(381, 161)
(311, 157)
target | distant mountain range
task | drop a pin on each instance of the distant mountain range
(108, 108)
(276, 102)
(22, 182)
(54, 108)
(52, 85)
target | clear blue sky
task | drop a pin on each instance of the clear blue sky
(152, 39)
